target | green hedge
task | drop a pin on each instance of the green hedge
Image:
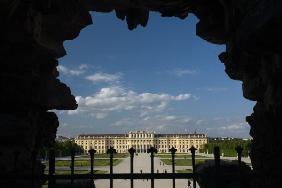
(182, 162)
(227, 147)
(78, 163)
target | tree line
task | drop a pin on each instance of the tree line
(227, 147)
(63, 148)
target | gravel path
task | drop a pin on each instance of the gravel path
(141, 162)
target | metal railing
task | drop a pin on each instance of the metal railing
(52, 177)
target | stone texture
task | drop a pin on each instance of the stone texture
(31, 39)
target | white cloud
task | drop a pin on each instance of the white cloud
(119, 99)
(212, 89)
(76, 111)
(83, 66)
(199, 122)
(164, 122)
(235, 126)
(123, 122)
(104, 77)
(100, 115)
(72, 72)
(182, 72)
(64, 124)
(169, 118)
(160, 123)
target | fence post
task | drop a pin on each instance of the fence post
(92, 152)
(216, 153)
(173, 150)
(152, 150)
(239, 150)
(111, 151)
(193, 151)
(51, 180)
(131, 152)
(72, 152)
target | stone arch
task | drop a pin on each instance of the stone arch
(32, 37)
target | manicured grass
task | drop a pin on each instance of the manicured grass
(184, 171)
(181, 162)
(104, 155)
(117, 155)
(68, 172)
(78, 163)
(183, 156)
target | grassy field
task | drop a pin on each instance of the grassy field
(183, 156)
(104, 155)
(67, 172)
(184, 171)
(78, 163)
(181, 162)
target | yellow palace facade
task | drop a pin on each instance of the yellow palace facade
(141, 141)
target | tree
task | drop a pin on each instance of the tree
(63, 149)
(227, 147)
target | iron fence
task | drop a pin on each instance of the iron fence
(52, 177)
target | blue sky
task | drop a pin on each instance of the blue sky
(161, 78)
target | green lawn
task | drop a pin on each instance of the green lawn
(182, 162)
(78, 163)
(186, 156)
(104, 155)
(118, 155)
(184, 171)
(67, 172)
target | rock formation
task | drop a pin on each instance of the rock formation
(32, 35)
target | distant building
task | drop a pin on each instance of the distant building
(228, 139)
(141, 141)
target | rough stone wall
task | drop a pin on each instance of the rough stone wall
(31, 40)
(253, 55)
(32, 35)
